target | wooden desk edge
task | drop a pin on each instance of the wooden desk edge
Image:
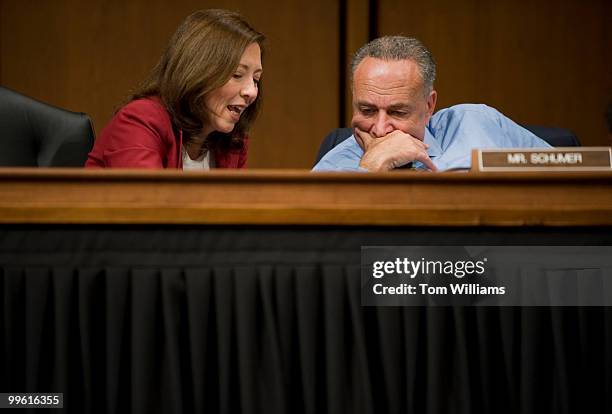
(294, 197)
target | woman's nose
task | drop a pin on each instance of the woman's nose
(249, 92)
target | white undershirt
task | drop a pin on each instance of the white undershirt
(204, 162)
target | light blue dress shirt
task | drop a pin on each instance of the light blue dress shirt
(451, 134)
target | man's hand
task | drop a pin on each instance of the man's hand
(391, 151)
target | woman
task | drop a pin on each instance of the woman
(196, 106)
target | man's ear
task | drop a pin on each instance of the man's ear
(431, 101)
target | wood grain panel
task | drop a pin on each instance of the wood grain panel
(88, 55)
(357, 34)
(300, 197)
(539, 62)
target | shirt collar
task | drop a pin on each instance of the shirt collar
(434, 149)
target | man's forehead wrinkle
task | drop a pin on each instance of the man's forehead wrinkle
(399, 89)
(395, 88)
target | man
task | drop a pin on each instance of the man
(393, 121)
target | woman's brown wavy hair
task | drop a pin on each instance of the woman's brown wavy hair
(202, 56)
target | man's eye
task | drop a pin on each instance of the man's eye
(367, 111)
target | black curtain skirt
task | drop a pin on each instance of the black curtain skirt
(183, 320)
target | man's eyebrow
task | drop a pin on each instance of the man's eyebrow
(395, 107)
(247, 67)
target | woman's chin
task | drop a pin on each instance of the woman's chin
(225, 127)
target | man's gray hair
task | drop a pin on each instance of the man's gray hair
(400, 48)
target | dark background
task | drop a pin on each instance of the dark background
(227, 319)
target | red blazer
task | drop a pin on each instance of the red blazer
(140, 135)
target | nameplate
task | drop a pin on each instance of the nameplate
(543, 159)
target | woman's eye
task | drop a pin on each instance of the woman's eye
(237, 76)
(256, 82)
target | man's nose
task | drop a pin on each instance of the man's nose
(382, 125)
